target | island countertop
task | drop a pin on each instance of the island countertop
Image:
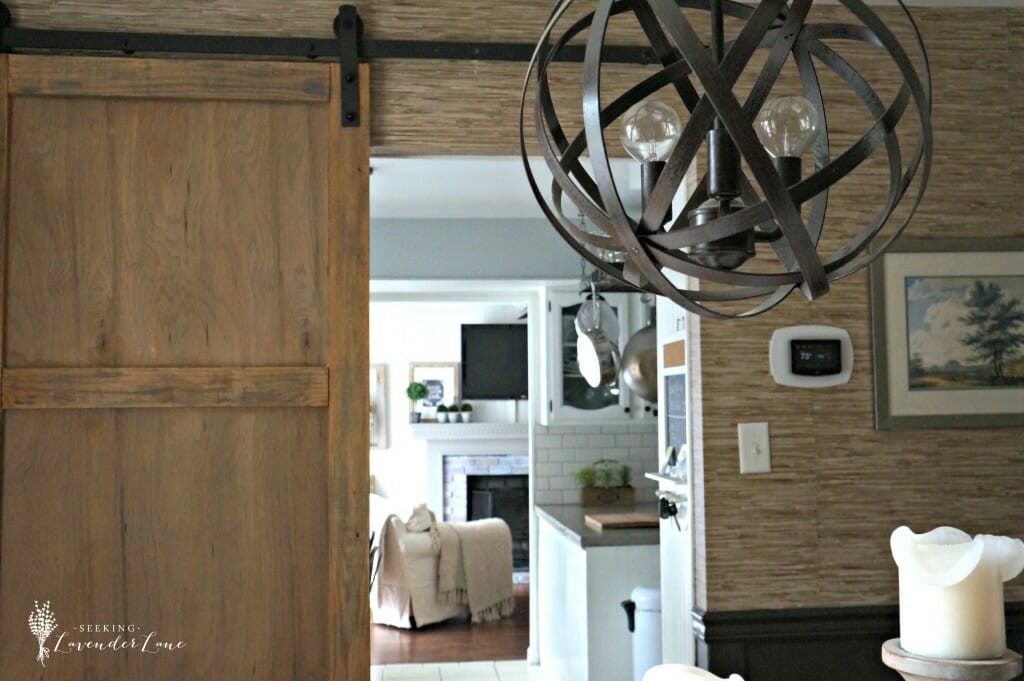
(568, 519)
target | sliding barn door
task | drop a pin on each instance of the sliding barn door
(184, 377)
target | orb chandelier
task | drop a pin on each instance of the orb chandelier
(754, 191)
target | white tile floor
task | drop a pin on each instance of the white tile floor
(507, 670)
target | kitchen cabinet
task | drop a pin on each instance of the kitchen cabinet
(672, 320)
(566, 395)
(571, 398)
(583, 577)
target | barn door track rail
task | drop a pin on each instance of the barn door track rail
(348, 46)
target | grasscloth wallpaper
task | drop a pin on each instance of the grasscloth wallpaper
(814, 532)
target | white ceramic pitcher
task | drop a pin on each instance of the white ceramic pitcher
(951, 592)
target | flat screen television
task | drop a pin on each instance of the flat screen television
(495, 362)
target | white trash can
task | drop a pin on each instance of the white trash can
(643, 613)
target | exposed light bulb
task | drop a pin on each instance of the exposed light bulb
(787, 126)
(650, 131)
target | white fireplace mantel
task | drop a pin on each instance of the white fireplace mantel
(462, 439)
(470, 431)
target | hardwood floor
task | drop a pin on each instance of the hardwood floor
(456, 641)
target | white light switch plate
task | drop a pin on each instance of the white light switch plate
(755, 448)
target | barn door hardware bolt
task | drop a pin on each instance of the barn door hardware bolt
(348, 29)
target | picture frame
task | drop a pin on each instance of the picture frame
(442, 381)
(935, 347)
(378, 407)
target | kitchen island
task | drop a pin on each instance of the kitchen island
(583, 576)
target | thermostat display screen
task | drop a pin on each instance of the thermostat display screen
(815, 357)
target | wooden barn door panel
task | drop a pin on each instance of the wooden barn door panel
(206, 526)
(185, 317)
(173, 233)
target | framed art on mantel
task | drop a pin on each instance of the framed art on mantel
(947, 321)
(442, 381)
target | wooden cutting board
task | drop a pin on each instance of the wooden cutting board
(618, 521)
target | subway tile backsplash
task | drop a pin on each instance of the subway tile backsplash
(561, 450)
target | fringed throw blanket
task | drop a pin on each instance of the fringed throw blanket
(451, 578)
(475, 567)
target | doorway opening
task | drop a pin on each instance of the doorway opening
(461, 471)
(461, 231)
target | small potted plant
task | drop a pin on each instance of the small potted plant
(467, 412)
(442, 414)
(415, 392)
(606, 483)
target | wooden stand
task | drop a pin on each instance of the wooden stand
(607, 496)
(916, 668)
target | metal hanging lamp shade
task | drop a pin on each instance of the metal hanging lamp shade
(753, 191)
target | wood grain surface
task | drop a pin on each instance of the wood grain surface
(165, 387)
(918, 668)
(206, 526)
(612, 521)
(176, 254)
(4, 197)
(348, 357)
(71, 76)
(205, 243)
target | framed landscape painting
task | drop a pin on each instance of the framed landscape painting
(948, 334)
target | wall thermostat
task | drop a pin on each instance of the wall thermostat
(811, 356)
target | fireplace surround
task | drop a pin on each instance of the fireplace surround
(477, 487)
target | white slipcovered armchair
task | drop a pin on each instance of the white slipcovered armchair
(406, 592)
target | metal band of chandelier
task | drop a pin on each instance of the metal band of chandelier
(717, 232)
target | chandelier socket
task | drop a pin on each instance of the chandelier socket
(727, 253)
(723, 165)
(789, 168)
(649, 174)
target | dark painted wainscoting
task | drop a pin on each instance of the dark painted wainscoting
(809, 644)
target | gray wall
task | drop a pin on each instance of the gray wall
(469, 249)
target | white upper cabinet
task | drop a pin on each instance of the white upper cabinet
(567, 397)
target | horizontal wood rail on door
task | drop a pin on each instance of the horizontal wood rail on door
(105, 388)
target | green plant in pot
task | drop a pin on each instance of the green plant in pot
(606, 483)
(415, 392)
(467, 412)
(442, 414)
